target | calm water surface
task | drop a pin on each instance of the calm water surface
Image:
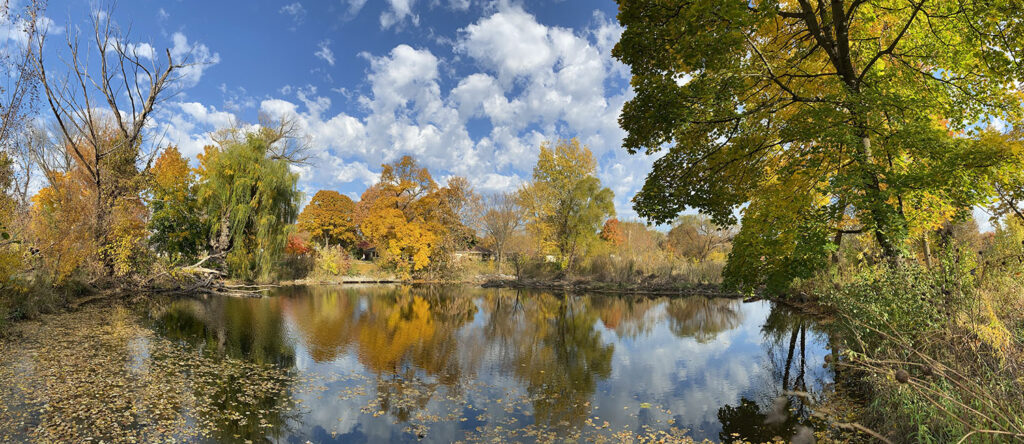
(441, 364)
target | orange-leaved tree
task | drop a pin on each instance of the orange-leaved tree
(611, 232)
(329, 219)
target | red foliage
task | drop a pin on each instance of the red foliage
(612, 232)
(297, 246)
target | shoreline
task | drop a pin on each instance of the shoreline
(580, 285)
(588, 286)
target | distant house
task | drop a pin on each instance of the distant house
(366, 251)
(477, 253)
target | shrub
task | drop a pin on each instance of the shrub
(27, 299)
(331, 262)
(536, 268)
(297, 266)
(936, 350)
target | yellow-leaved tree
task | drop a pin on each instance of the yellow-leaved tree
(399, 215)
(565, 204)
(61, 226)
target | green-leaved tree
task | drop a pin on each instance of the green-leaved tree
(175, 221)
(565, 204)
(824, 117)
(250, 199)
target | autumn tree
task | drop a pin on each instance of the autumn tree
(565, 203)
(460, 208)
(249, 199)
(611, 232)
(640, 241)
(458, 216)
(120, 244)
(61, 227)
(400, 216)
(1009, 182)
(413, 222)
(816, 114)
(101, 114)
(328, 218)
(176, 221)
(499, 222)
(18, 97)
(696, 236)
(11, 255)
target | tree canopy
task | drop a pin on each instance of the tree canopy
(249, 197)
(328, 219)
(565, 203)
(175, 222)
(833, 116)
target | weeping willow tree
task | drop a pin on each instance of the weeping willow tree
(250, 199)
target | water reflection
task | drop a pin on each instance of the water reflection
(703, 318)
(780, 406)
(250, 329)
(394, 363)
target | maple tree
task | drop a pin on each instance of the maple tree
(1009, 182)
(413, 222)
(399, 215)
(328, 218)
(843, 111)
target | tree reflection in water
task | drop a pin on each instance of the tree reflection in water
(552, 346)
(628, 317)
(253, 330)
(428, 351)
(249, 401)
(703, 318)
(780, 411)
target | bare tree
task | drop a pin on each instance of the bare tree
(101, 113)
(18, 91)
(500, 221)
(17, 68)
(286, 138)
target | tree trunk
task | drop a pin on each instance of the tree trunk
(880, 211)
(838, 240)
(927, 250)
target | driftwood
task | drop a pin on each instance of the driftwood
(198, 279)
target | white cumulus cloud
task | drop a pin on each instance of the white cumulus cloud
(519, 83)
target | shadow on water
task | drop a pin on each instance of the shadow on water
(399, 363)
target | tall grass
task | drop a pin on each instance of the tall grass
(938, 352)
(651, 269)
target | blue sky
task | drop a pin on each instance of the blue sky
(468, 87)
